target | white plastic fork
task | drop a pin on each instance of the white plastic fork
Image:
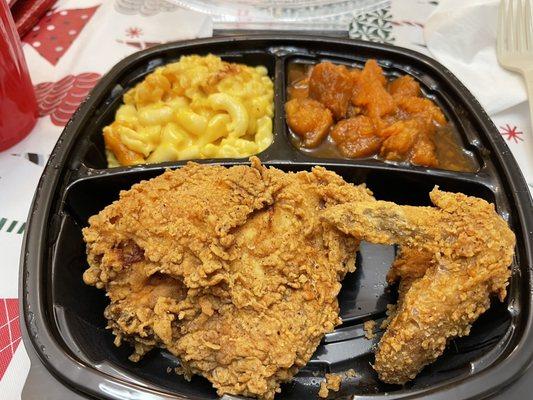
(515, 41)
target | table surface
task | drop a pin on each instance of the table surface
(75, 44)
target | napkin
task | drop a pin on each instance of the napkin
(462, 36)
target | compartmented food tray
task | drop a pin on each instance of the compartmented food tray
(63, 317)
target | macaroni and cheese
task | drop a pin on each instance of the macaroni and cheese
(198, 107)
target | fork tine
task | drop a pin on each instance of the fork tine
(520, 28)
(509, 27)
(529, 25)
(501, 35)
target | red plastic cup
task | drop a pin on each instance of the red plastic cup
(18, 108)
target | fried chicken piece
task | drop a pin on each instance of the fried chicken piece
(230, 269)
(332, 382)
(453, 257)
(369, 327)
(411, 263)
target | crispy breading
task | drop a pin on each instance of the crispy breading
(453, 257)
(332, 382)
(368, 328)
(230, 269)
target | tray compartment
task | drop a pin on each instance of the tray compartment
(78, 308)
(92, 149)
(462, 127)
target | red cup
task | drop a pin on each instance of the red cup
(18, 108)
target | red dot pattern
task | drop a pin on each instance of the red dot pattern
(56, 32)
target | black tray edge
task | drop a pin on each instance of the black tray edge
(57, 361)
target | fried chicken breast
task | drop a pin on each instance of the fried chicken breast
(230, 269)
(453, 257)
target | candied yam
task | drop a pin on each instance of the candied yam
(404, 86)
(332, 85)
(363, 147)
(299, 89)
(425, 126)
(424, 152)
(353, 111)
(352, 127)
(410, 140)
(308, 119)
(397, 127)
(376, 100)
(370, 92)
(400, 139)
(356, 75)
(421, 107)
(372, 71)
(390, 118)
(356, 137)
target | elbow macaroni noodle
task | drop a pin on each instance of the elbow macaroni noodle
(198, 107)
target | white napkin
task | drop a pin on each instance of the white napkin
(462, 36)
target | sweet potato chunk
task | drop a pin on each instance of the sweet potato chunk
(370, 92)
(424, 152)
(356, 137)
(309, 119)
(372, 71)
(404, 86)
(408, 140)
(423, 108)
(400, 139)
(332, 85)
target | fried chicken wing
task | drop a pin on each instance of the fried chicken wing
(230, 269)
(452, 258)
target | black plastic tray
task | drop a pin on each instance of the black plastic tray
(63, 318)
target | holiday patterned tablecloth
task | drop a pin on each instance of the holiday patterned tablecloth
(80, 40)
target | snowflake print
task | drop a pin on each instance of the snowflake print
(134, 32)
(375, 26)
(147, 8)
(511, 133)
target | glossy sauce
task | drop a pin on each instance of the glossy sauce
(449, 153)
